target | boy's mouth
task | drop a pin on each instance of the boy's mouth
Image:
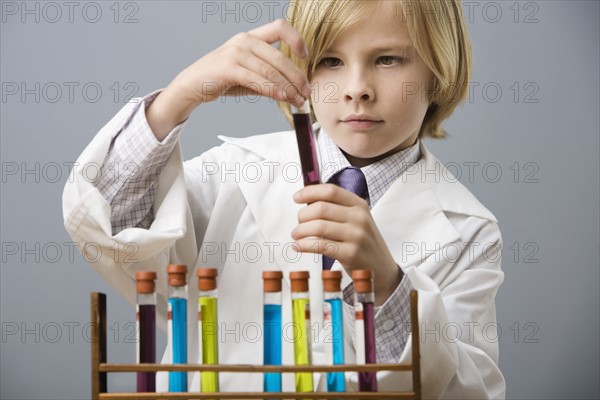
(361, 122)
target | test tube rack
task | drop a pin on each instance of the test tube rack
(101, 368)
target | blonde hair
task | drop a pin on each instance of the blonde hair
(436, 28)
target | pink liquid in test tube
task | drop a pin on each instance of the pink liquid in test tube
(306, 144)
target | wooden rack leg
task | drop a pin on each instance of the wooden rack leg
(98, 322)
(416, 339)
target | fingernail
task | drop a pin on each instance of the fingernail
(296, 195)
(299, 100)
(306, 90)
(304, 51)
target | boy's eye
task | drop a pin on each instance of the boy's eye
(390, 60)
(330, 62)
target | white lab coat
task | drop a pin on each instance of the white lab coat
(205, 216)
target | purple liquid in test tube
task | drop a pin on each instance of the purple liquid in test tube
(306, 144)
(368, 380)
(147, 343)
(364, 299)
(146, 328)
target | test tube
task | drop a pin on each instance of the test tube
(146, 328)
(333, 321)
(364, 298)
(272, 328)
(306, 144)
(177, 324)
(301, 321)
(208, 332)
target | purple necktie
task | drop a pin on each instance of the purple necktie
(351, 179)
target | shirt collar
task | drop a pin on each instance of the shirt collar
(379, 175)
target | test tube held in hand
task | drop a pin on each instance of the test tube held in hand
(146, 328)
(306, 144)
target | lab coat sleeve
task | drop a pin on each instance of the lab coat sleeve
(130, 172)
(170, 238)
(457, 319)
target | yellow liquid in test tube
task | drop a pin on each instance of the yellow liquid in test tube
(210, 345)
(302, 343)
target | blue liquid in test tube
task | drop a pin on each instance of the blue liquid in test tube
(272, 328)
(272, 346)
(333, 319)
(335, 380)
(178, 380)
(177, 324)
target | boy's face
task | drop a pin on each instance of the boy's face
(371, 89)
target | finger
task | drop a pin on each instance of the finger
(323, 210)
(295, 81)
(330, 193)
(239, 90)
(248, 83)
(281, 30)
(319, 246)
(250, 90)
(273, 81)
(321, 229)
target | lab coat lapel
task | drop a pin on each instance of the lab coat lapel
(410, 217)
(270, 199)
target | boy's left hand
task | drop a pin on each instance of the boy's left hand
(338, 223)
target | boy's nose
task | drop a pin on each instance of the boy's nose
(358, 88)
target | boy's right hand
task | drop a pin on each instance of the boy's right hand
(247, 63)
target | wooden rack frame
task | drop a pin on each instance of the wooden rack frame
(100, 368)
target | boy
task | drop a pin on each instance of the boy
(385, 75)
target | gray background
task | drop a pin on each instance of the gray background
(541, 133)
